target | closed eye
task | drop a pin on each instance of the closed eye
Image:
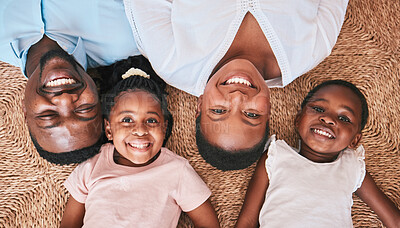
(47, 115)
(85, 109)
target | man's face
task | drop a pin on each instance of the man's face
(235, 106)
(61, 105)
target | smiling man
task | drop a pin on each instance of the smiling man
(53, 42)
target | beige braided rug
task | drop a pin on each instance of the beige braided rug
(367, 53)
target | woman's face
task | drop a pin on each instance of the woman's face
(235, 106)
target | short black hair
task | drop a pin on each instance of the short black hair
(352, 87)
(69, 157)
(153, 85)
(229, 159)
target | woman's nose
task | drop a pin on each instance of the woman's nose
(237, 97)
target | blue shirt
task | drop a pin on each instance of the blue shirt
(95, 32)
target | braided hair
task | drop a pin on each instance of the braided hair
(352, 87)
(153, 85)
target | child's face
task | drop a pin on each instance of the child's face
(137, 126)
(330, 121)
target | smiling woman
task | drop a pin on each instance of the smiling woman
(271, 42)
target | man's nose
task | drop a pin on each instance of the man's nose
(64, 101)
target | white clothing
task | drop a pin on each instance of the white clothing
(302, 193)
(149, 196)
(185, 39)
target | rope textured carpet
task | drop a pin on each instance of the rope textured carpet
(367, 53)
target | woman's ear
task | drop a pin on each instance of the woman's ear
(353, 144)
(199, 103)
(107, 129)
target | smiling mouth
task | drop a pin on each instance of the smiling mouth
(60, 82)
(139, 146)
(238, 81)
(323, 133)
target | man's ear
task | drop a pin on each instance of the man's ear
(199, 103)
(353, 144)
(107, 129)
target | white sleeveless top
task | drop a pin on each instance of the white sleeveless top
(303, 193)
(185, 39)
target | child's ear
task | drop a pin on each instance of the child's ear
(107, 129)
(297, 119)
(198, 108)
(353, 144)
(165, 126)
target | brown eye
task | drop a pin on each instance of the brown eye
(152, 120)
(218, 111)
(318, 109)
(251, 115)
(126, 120)
(344, 119)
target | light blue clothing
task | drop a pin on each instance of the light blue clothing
(95, 32)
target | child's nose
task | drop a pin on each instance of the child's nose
(140, 130)
(327, 119)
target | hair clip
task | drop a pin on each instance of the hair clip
(135, 72)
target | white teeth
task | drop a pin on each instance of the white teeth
(324, 133)
(238, 81)
(62, 81)
(139, 146)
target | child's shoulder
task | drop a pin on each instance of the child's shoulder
(171, 156)
(274, 143)
(104, 152)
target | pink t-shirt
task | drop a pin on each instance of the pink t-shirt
(123, 196)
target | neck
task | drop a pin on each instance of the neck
(121, 160)
(318, 157)
(250, 43)
(37, 51)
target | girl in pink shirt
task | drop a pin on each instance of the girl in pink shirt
(134, 181)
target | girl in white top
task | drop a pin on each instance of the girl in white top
(134, 181)
(313, 186)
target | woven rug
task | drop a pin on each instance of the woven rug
(367, 54)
